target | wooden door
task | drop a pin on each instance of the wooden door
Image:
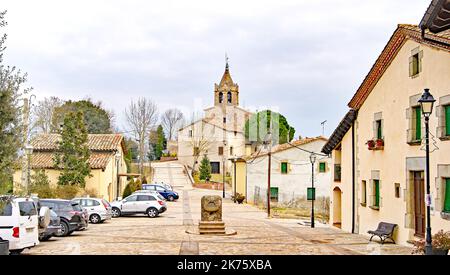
(419, 203)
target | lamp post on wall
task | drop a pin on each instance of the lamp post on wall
(118, 156)
(426, 103)
(28, 153)
(312, 158)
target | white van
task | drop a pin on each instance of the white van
(19, 223)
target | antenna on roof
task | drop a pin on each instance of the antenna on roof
(323, 127)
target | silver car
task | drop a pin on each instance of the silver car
(98, 210)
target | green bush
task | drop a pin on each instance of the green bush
(67, 192)
(40, 185)
(205, 169)
(131, 187)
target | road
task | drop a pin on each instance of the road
(256, 234)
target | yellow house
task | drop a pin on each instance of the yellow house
(106, 161)
(239, 177)
(377, 149)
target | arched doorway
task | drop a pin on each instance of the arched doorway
(337, 207)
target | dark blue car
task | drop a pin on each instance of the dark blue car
(167, 194)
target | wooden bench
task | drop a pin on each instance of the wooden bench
(384, 231)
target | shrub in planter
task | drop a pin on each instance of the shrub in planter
(239, 198)
(371, 144)
(380, 143)
(440, 243)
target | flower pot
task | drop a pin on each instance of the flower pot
(371, 144)
(4, 247)
(380, 143)
(440, 252)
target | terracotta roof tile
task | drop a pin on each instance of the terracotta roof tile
(97, 142)
(44, 160)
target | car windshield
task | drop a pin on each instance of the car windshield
(6, 210)
(27, 208)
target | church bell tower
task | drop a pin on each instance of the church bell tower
(226, 93)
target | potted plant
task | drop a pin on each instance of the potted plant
(440, 244)
(239, 198)
(380, 143)
(371, 144)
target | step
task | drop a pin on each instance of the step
(222, 232)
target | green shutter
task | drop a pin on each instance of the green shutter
(284, 167)
(322, 167)
(379, 130)
(447, 196)
(418, 113)
(274, 193)
(377, 193)
(447, 120)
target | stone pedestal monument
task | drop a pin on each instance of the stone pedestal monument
(211, 220)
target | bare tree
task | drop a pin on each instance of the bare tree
(172, 120)
(43, 114)
(142, 117)
(199, 142)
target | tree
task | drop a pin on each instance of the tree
(95, 117)
(72, 156)
(11, 126)
(159, 143)
(43, 113)
(132, 187)
(131, 154)
(258, 125)
(40, 184)
(141, 117)
(199, 142)
(171, 121)
(205, 168)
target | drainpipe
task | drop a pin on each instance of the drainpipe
(353, 176)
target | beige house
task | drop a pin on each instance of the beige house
(107, 162)
(378, 161)
(219, 134)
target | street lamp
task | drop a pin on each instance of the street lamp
(118, 156)
(312, 158)
(426, 103)
(28, 152)
(223, 168)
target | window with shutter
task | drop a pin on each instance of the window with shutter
(379, 129)
(377, 193)
(447, 196)
(418, 126)
(284, 168)
(363, 193)
(447, 120)
(220, 151)
(322, 167)
(274, 194)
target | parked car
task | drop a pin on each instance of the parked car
(19, 223)
(53, 229)
(98, 210)
(167, 194)
(72, 216)
(49, 222)
(156, 193)
(165, 185)
(149, 204)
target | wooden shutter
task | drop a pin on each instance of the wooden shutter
(447, 195)
(284, 168)
(418, 114)
(220, 151)
(447, 120)
(411, 66)
(377, 193)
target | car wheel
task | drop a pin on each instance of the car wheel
(170, 198)
(70, 233)
(116, 212)
(152, 212)
(94, 218)
(64, 229)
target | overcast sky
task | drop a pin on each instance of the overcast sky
(305, 58)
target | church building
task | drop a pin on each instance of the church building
(219, 134)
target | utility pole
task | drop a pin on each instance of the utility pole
(269, 167)
(323, 127)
